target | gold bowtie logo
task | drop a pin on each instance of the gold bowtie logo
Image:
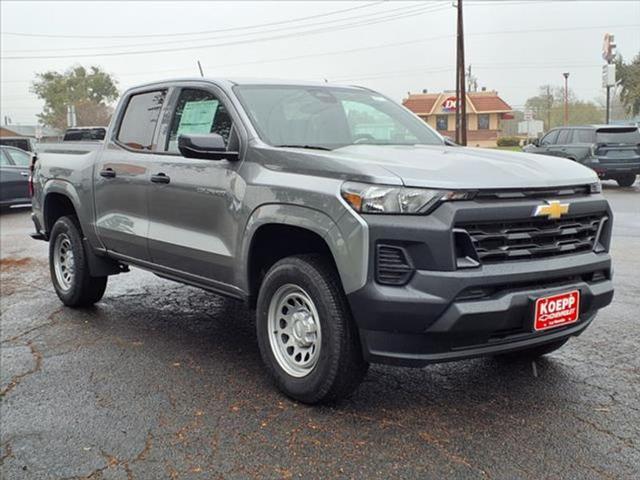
(553, 210)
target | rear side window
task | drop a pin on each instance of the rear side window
(20, 158)
(80, 134)
(140, 118)
(619, 135)
(583, 136)
(564, 137)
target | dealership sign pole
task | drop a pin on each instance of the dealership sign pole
(609, 69)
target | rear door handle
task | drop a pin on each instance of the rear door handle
(24, 174)
(160, 178)
(108, 173)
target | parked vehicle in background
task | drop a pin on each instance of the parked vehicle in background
(350, 225)
(24, 143)
(84, 134)
(612, 151)
(15, 167)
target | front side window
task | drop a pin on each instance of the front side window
(564, 137)
(549, 138)
(197, 112)
(442, 122)
(140, 118)
(330, 117)
(483, 122)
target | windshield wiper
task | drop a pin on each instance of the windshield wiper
(310, 147)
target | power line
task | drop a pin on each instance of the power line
(238, 42)
(203, 32)
(360, 18)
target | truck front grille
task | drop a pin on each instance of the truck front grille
(533, 238)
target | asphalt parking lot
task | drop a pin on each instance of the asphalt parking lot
(161, 380)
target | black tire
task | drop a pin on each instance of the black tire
(340, 366)
(626, 180)
(84, 289)
(534, 352)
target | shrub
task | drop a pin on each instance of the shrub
(508, 142)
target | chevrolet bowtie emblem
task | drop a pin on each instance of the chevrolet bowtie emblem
(553, 210)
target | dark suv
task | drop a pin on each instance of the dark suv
(612, 151)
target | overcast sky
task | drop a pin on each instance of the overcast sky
(392, 46)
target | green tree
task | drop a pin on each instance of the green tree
(629, 76)
(90, 91)
(548, 106)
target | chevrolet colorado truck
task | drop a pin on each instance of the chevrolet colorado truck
(352, 228)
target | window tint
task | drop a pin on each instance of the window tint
(4, 159)
(20, 158)
(583, 136)
(549, 138)
(140, 119)
(620, 135)
(564, 137)
(483, 122)
(442, 122)
(329, 117)
(368, 123)
(198, 111)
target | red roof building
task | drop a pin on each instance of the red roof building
(484, 112)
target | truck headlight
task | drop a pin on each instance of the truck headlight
(368, 198)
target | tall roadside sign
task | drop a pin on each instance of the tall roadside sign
(608, 69)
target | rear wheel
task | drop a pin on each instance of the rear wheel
(534, 352)
(626, 180)
(307, 338)
(68, 264)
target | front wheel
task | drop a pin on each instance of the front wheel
(306, 335)
(69, 268)
(626, 180)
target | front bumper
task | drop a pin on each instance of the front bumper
(446, 313)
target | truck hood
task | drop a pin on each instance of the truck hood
(461, 168)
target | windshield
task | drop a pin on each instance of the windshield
(618, 135)
(330, 117)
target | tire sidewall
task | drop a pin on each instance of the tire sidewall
(67, 226)
(315, 384)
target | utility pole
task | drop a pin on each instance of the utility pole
(461, 95)
(566, 98)
(549, 106)
(609, 70)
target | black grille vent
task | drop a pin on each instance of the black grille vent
(392, 265)
(533, 238)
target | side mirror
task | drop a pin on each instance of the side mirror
(535, 142)
(449, 142)
(210, 146)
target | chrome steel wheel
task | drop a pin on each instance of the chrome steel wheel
(63, 261)
(294, 330)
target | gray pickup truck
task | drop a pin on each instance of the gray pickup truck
(351, 227)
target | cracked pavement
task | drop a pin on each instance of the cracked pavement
(161, 380)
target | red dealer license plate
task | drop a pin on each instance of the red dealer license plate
(557, 310)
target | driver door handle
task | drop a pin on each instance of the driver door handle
(108, 173)
(160, 178)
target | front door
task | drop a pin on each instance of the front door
(122, 177)
(194, 203)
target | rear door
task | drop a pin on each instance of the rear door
(122, 175)
(194, 205)
(14, 176)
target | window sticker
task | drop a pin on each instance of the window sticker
(197, 117)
